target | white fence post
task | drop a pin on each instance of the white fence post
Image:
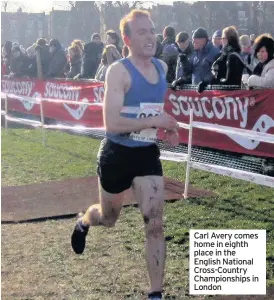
(42, 122)
(188, 154)
(6, 111)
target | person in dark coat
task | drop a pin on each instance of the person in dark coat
(58, 60)
(91, 59)
(170, 52)
(19, 63)
(75, 61)
(228, 68)
(45, 55)
(200, 63)
(7, 56)
(186, 50)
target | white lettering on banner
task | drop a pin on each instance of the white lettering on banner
(68, 92)
(217, 107)
(23, 88)
(99, 93)
(62, 91)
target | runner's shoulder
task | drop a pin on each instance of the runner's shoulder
(163, 64)
(117, 73)
(117, 70)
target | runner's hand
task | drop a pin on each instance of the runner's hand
(165, 121)
(172, 137)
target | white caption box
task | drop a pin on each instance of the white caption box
(227, 262)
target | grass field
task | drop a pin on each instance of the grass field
(38, 263)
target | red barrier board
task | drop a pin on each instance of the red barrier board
(251, 110)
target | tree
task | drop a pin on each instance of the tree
(5, 5)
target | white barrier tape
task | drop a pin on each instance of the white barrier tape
(183, 125)
(254, 135)
(84, 102)
(24, 121)
(167, 155)
(21, 98)
(234, 173)
(79, 128)
(38, 100)
(3, 113)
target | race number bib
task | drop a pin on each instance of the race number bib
(148, 110)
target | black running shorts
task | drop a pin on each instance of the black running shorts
(118, 165)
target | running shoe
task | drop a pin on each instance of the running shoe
(78, 238)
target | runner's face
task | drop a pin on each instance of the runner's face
(143, 38)
(262, 55)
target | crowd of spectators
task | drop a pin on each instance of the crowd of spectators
(225, 58)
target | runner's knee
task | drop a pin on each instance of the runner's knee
(153, 226)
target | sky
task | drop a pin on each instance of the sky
(45, 5)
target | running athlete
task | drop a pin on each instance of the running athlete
(135, 89)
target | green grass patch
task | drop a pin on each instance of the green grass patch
(37, 261)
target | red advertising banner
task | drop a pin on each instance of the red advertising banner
(252, 110)
(79, 91)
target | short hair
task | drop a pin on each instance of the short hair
(134, 14)
(181, 37)
(114, 35)
(245, 40)
(169, 32)
(41, 42)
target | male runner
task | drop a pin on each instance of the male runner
(135, 88)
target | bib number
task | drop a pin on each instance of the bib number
(147, 110)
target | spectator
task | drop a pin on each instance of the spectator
(217, 39)
(91, 58)
(45, 55)
(113, 39)
(96, 38)
(228, 68)
(19, 63)
(31, 53)
(186, 50)
(58, 60)
(7, 56)
(159, 50)
(199, 65)
(247, 53)
(110, 55)
(160, 38)
(125, 51)
(252, 39)
(80, 44)
(263, 74)
(170, 52)
(75, 60)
